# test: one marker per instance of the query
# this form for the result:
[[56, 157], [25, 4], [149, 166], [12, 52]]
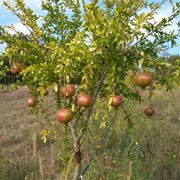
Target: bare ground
[[17, 126]]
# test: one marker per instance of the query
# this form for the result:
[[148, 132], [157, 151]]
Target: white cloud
[[18, 27], [165, 12], [34, 4]]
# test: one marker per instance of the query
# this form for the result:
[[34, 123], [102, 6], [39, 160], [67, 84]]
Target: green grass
[[150, 150]]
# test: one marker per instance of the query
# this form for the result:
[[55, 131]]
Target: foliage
[[82, 44], [97, 45]]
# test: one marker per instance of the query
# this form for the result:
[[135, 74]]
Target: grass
[[17, 126], [148, 151]]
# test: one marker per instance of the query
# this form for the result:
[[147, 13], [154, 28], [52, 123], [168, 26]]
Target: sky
[[7, 18]]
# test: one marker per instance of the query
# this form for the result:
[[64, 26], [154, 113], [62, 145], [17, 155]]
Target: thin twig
[[144, 20], [23, 22]]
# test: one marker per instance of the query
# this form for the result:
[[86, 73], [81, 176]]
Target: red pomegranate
[[64, 115], [16, 68], [117, 101]]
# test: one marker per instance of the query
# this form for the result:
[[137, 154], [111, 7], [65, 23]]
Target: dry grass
[[17, 126], [24, 156]]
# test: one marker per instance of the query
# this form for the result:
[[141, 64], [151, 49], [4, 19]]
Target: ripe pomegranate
[[16, 68], [143, 79], [31, 102], [68, 90], [64, 115], [117, 101], [149, 111], [84, 100]]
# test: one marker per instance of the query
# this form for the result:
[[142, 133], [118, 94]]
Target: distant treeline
[[5, 76], [8, 79]]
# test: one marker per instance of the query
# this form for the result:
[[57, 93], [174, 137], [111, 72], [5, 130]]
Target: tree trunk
[[77, 158], [77, 172]]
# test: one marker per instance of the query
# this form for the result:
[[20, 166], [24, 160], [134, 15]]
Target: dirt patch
[[17, 94]]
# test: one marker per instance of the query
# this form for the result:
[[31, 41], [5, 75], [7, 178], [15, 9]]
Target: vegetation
[[89, 59], [148, 151]]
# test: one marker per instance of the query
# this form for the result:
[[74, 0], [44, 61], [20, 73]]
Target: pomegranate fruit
[[84, 100], [68, 90], [149, 111], [143, 79], [117, 101], [31, 102], [64, 115], [16, 68]]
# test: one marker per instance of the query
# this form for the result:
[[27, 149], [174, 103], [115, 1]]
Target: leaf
[[41, 90], [67, 79], [55, 87], [44, 139], [110, 100], [92, 49], [44, 134], [103, 125], [141, 61], [73, 107], [96, 116]]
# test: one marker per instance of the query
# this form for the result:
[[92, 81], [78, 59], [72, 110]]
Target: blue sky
[[7, 18]]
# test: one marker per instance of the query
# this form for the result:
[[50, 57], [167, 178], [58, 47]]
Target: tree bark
[[77, 151], [77, 159]]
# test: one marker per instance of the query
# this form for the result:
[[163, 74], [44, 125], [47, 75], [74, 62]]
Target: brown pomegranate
[[31, 102], [149, 111], [68, 90], [143, 79]]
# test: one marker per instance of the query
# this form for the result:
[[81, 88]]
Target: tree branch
[[103, 75], [156, 27], [23, 22]]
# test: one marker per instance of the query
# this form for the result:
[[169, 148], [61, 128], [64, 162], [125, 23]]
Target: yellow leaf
[[55, 134], [141, 61], [55, 87], [103, 125], [44, 140], [67, 78], [92, 49], [110, 100], [41, 90], [73, 108]]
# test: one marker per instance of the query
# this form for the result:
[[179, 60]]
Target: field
[[149, 150]]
